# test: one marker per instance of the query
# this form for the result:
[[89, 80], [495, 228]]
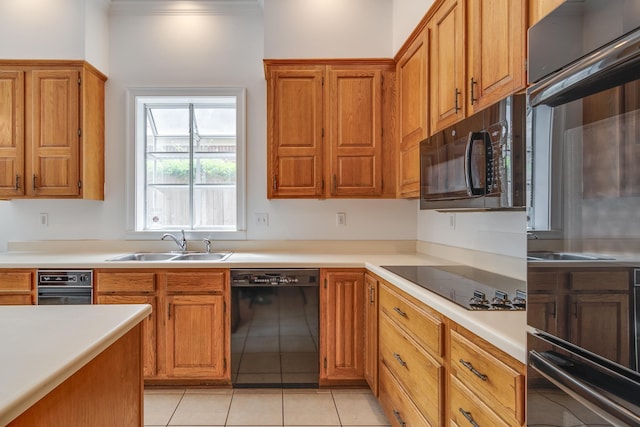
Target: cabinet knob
[[17, 182], [468, 416], [477, 373], [457, 104]]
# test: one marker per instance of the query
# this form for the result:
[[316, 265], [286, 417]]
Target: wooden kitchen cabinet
[[133, 287], [412, 73], [342, 329], [412, 353], [483, 377], [51, 130], [17, 286], [197, 329], [371, 332], [447, 86], [330, 128], [187, 336], [496, 51]]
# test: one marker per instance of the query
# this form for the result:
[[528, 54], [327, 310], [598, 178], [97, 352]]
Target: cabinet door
[[447, 61], [53, 133], [295, 116], [342, 325], [11, 133], [16, 287], [371, 333], [196, 336], [412, 75], [600, 323], [496, 60], [149, 327], [355, 132]]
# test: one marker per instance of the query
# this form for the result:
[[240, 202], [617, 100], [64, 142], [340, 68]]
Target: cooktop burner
[[472, 288]]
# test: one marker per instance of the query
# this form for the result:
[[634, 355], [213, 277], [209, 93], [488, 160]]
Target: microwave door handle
[[467, 165], [577, 389]]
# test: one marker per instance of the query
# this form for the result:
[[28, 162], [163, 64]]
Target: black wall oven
[[583, 185]]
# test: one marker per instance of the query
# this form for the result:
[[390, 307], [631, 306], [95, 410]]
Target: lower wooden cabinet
[[342, 326], [488, 375], [17, 287], [187, 336], [400, 409]]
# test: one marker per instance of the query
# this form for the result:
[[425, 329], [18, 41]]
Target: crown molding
[[194, 7]]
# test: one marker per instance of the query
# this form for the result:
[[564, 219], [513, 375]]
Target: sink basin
[[145, 256], [173, 256], [203, 256], [562, 256]]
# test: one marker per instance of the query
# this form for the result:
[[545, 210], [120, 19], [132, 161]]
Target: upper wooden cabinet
[[497, 51], [330, 128], [447, 50], [51, 130], [477, 56], [412, 74]]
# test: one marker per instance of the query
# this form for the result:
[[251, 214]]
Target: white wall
[[406, 16], [328, 29], [96, 34]]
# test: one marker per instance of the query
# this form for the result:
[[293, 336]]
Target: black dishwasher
[[274, 327]]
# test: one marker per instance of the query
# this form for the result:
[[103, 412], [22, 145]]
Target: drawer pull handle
[[468, 416], [399, 418], [399, 359], [400, 312], [470, 367]]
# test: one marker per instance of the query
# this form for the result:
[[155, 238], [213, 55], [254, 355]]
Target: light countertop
[[506, 330], [44, 345]]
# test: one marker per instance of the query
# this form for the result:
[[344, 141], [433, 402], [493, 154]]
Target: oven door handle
[[468, 164], [577, 389]]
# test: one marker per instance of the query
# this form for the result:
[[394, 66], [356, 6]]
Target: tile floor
[[262, 407]]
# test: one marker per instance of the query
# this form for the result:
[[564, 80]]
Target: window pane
[[170, 121], [215, 206], [215, 121], [168, 170], [168, 207]]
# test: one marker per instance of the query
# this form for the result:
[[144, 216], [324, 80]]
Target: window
[[188, 160]]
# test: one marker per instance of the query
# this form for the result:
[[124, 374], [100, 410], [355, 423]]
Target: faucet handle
[[207, 245]]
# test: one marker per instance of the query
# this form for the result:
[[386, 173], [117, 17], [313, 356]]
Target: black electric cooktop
[[472, 288]]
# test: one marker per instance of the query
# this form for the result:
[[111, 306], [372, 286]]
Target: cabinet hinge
[[224, 307], [325, 363], [382, 132], [325, 286], [80, 184], [322, 184], [322, 81], [79, 81], [323, 132], [224, 363], [79, 132]]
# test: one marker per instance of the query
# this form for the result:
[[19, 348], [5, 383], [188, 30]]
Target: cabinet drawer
[[196, 281], [425, 327], [416, 370], [398, 407], [16, 280], [619, 280], [498, 384], [465, 408], [125, 282]]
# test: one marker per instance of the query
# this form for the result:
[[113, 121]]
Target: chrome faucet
[[207, 245], [182, 244]]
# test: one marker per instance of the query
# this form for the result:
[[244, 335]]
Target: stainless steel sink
[[204, 256], [563, 256], [172, 256], [145, 256]]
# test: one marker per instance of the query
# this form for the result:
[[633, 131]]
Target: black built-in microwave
[[477, 163]]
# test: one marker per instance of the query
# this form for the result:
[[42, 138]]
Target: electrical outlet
[[341, 219], [262, 219], [44, 219]]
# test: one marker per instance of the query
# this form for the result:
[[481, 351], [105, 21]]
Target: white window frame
[[135, 149]]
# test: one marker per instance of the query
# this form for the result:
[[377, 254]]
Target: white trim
[[132, 115]]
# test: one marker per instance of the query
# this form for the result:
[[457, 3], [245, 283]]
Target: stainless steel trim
[[572, 78], [580, 390]]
